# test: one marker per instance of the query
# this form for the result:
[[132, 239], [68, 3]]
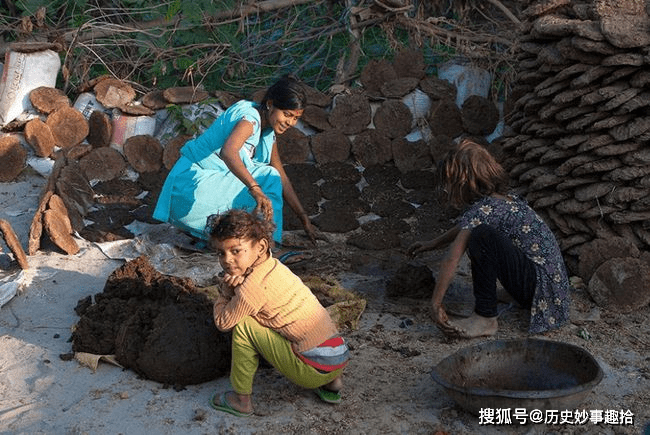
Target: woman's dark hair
[[240, 224], [286, 94], [468, 173]]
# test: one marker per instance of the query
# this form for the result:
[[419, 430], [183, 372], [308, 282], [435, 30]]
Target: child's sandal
[[328, 396]]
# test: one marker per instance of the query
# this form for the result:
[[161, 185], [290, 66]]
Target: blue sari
[[200, 183]]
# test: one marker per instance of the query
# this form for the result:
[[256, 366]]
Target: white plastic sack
[[22, 73], [10, 286], [126, 126], [86, 103], [418, 103], [201, 115], [468, 79]]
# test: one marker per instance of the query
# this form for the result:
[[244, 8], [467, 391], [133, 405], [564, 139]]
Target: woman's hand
[[309, 228], [264, 204]]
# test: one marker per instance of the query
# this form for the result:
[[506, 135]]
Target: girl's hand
[[442, 321], [233, 281], [264, 204], [439, 315], [419, 247]]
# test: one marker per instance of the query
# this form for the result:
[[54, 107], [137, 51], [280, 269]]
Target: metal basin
[[521, 373]]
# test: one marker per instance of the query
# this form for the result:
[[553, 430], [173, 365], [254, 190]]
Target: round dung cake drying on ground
[[333, 189], [155, 100], [438, 89], [78, 151], [103, 164], [112, 93], [172, 150], [375, 74], [226, 99], [316, 97], [185, 95], [330, 146], [341, 171], [316, 117], [409, 63], [381, 175], [399, 87], [376, 235], [351, 113], [39, 136], [46, 100], [445, 118], [10, 238], [100, 129], [56, 203], [409, 156], [372, 147], [439, 145], [144, 153], [57, 227], [13, 157], [135, 108], [68, 126], [336, 221], [480, 115], [393, 119], [293, 146], [303, 173]]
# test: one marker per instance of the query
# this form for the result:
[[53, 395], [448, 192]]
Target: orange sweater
[[278, 300]]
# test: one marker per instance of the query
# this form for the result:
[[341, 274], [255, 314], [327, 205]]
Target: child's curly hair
[[240, 224], [468, 173]]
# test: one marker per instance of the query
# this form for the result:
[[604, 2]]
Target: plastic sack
[[86, 103], [199, 115], [22, 73], [126, 126]]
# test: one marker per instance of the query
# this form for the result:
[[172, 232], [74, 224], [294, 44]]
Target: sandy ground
[[389, 388]]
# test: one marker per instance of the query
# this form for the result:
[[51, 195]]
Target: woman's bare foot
[[475, 326], [240, 402]]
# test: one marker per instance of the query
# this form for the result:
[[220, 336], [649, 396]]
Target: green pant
[[250, 339]]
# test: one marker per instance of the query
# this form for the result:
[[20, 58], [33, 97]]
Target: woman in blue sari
[[236, 164]]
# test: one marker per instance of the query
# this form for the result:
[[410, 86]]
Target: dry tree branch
[[506, 11], [427, 27]]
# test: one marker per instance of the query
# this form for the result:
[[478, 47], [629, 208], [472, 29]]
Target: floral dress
[[514, 218]]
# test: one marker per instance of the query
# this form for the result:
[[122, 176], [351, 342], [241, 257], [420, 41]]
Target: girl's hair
[[468, 173], [240, 224], [286, 94]]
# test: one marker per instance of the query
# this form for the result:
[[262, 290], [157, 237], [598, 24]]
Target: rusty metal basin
[[520, 373]]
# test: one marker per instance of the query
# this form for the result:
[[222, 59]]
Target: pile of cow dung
[[157, 325], [581, 150]]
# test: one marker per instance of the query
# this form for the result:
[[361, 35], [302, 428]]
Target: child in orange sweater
[[271, 313]]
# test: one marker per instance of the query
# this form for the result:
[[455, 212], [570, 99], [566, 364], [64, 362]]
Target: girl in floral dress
[[505, 240]]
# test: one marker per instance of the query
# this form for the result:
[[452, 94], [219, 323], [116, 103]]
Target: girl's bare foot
[[475, 326]]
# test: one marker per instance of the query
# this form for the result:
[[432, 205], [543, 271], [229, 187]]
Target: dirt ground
[[388, 384]]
